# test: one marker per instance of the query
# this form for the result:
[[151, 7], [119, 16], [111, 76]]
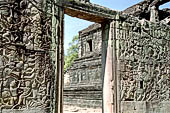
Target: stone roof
[[90, 28], [132, 9], [143, 9]]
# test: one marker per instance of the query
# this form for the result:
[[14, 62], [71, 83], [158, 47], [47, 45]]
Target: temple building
[[130, 74], [84, 79]]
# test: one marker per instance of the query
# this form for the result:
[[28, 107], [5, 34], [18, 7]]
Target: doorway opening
[[82, 77]]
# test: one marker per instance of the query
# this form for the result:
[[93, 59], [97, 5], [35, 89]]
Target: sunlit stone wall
[[26, 68], [143, 51]]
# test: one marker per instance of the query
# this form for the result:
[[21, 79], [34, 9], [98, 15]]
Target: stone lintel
[[88, 11]]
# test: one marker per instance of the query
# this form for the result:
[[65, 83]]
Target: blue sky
[[73, 25]]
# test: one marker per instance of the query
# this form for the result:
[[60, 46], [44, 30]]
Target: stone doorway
[[93, 13], [33, 61], [83, 79], [135, 55]]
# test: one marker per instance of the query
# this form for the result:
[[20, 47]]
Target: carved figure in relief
[[124, 90], [33, 99], [14, 92], [27, 40], [41, 95], [26, 93], [5, 99], [130, 92], [12, 55], [34, 90], [29, 71]]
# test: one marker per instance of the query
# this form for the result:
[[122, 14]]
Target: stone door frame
[[75, 9]]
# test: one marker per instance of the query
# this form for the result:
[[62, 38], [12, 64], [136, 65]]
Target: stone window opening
[[90, 45]]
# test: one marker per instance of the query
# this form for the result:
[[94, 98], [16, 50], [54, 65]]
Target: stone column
[[107, 60], [57, 54], [110, 67]]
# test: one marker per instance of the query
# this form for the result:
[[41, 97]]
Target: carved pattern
[[26, 68], [144, 60]]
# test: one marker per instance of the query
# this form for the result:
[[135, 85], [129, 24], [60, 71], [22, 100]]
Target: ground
[[72, 109]]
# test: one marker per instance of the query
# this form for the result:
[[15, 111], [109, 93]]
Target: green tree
[[72, 53]]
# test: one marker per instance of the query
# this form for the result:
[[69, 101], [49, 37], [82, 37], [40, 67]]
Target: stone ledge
[[81, 87], [83, 103]]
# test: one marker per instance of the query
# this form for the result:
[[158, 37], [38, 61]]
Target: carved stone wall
[[31, 58], [27, 71], [143, 50], [84, 80], [144, 56]]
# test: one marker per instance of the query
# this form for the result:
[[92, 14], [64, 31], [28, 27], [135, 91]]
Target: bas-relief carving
[[25, 63], [145, 61]]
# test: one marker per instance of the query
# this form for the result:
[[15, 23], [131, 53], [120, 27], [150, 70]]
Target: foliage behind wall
[[72, 53]]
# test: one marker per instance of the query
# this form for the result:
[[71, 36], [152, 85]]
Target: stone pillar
[[107, 86], [111, 77], [107, 73], [58, 53]]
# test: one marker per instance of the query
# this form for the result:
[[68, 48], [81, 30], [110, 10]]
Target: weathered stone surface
[[142, 53], [136, 64], [145, 107], [27, 69], [144, 58]]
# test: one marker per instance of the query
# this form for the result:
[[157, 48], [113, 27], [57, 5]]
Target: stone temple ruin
[[84, 86], [85, 71], [135, 56]]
